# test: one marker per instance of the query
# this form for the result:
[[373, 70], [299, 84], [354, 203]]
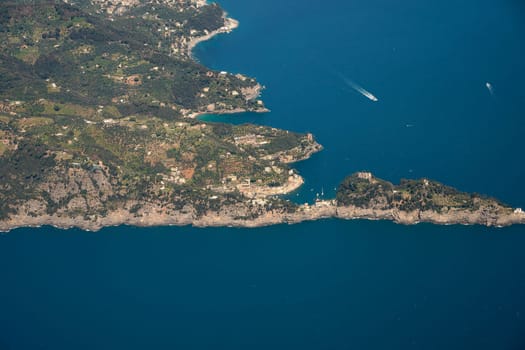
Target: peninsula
[[98, 127]]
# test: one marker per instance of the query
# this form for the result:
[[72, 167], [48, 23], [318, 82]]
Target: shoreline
[[248, 213], [153, 215], [198, 115], [229, 25]]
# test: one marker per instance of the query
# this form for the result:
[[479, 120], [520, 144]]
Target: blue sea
[[328, 284]]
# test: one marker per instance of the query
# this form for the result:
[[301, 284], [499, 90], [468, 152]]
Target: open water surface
[[329, 284]]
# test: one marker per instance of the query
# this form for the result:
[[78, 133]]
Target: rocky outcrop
[[453, 217], [244, 215]]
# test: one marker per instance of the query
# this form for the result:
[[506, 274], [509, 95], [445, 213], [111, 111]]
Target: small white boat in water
[[490, 88]]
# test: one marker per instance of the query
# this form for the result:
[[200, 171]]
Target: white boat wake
[[360, 89]]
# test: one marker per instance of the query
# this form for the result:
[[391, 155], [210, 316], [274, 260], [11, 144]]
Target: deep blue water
[[329, 284]]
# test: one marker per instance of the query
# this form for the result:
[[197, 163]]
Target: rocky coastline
[[90, 196], [155, 214]]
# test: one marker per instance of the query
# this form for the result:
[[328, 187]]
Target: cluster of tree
[[207, 18], [409, 195], [52, 34], [283, 142], [187, 83], [360, 192], [21, 171], [5, 18]]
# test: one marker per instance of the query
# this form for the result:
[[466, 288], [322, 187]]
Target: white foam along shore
[[229, 25]]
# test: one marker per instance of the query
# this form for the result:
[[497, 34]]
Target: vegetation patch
[[365, 191]]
